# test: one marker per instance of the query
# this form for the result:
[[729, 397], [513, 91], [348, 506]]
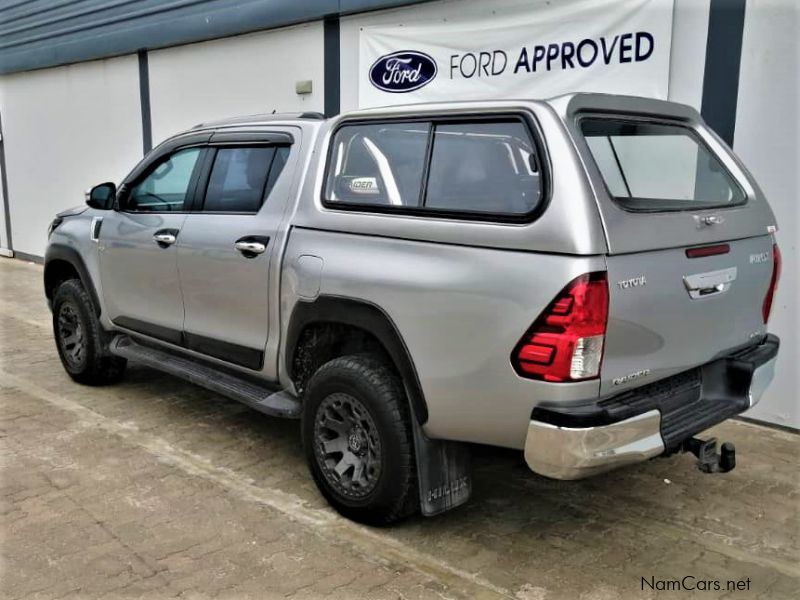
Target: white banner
[[538, 50]]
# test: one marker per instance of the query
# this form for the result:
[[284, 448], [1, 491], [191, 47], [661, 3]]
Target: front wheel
[[358, 440], [80, 339]]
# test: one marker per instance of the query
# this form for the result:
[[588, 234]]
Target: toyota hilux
[[586, 279]]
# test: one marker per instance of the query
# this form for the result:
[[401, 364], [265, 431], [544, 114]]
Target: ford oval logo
[[403, 71]]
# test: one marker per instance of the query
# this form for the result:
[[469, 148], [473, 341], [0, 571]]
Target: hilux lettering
[[448, 489], [631, 376]]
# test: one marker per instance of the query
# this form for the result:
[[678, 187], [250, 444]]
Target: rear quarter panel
[[460, 311], [461, 293]]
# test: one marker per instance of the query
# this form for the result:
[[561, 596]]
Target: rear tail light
[[566, 342], [773, 283]]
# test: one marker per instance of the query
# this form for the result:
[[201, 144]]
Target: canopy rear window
[[654, 167]]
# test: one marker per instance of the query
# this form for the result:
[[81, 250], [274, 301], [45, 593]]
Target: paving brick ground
[[154, 488]]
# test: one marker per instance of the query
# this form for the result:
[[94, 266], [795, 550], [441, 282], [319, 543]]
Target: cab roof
[[260, 119]]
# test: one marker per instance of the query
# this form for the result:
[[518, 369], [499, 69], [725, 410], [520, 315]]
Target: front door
[[227, 245], [137, 243]]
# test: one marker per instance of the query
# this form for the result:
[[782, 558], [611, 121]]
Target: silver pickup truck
[[587, 279]]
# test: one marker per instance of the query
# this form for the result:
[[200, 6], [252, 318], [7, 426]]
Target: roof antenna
[[274, 110]]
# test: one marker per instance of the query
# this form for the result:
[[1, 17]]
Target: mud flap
[[443, 471]]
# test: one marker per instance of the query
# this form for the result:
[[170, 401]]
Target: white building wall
[[66, 129], [687, 63], [247, 74], [767, 138]]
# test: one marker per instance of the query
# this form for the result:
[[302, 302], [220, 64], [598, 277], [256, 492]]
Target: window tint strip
[[266, 187], [619, 166], [200, 182], [426, 166]]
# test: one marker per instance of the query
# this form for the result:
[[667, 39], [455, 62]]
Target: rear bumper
[[573, 442]]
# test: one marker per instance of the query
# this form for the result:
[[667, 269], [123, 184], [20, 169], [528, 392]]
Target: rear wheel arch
[[340, 326]]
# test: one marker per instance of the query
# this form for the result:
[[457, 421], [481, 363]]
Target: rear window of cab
[[465, 168], [656, 167]]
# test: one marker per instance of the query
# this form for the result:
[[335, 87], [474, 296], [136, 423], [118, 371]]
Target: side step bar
[[269, 401]]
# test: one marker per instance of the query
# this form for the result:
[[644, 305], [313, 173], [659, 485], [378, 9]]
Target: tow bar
[[708, 461]]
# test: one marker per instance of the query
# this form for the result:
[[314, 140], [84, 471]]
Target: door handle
[[708, 284], [252, 245], [713, 220], [708, 220], [165, 237]]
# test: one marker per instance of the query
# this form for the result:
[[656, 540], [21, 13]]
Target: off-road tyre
[[364, 386], [81, 342]]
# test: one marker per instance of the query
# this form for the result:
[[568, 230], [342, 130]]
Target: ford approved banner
[[536, 50]]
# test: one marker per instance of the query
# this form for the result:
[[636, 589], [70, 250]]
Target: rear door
[[690, 246], [228, 242]]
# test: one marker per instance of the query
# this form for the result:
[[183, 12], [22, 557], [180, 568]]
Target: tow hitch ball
[[708, 461]]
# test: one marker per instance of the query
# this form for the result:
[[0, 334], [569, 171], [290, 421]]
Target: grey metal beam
[[723, 58]]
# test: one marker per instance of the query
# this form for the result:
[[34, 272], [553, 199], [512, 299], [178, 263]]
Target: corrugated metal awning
[[35, 34]]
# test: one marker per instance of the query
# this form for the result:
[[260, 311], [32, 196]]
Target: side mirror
[[102, 196]]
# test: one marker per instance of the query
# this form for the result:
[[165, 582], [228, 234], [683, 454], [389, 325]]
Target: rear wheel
[[80, 339], [358, 440]]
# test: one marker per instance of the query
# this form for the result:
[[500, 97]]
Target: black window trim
[[499, 115], [239, 141], [205, 141], [656, 120]]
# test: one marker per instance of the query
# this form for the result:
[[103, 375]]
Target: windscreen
[[657, 166]]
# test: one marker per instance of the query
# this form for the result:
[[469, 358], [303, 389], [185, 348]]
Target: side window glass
[[241, 178], [165, 188], [486, 167], [378, 164], [281, 156], [483, 167]]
